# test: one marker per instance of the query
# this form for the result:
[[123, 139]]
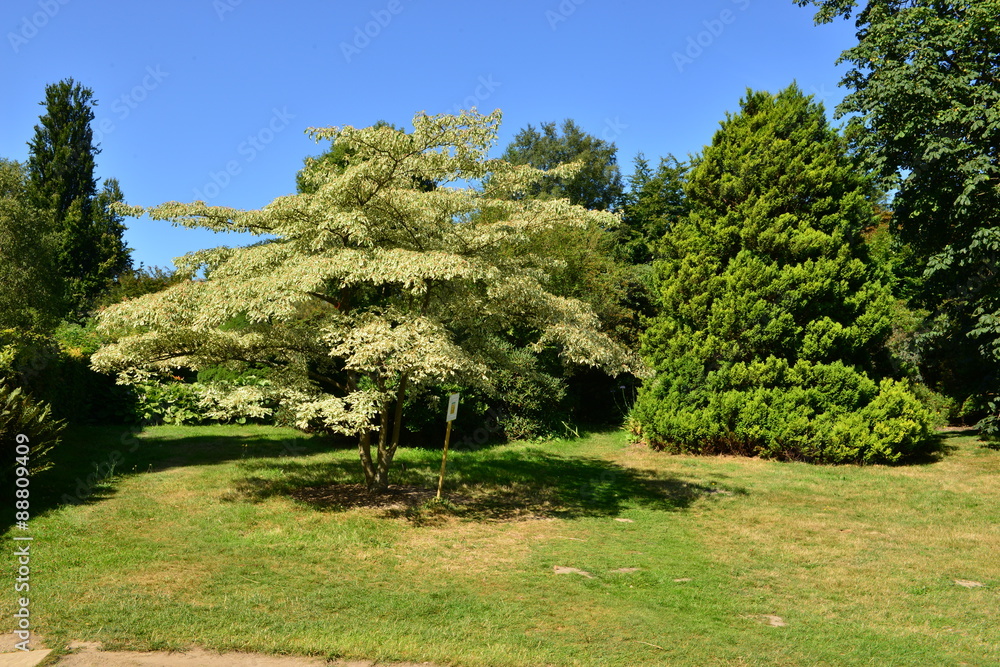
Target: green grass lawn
[[237, 538]]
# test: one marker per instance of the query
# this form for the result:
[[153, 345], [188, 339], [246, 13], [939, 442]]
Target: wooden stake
[[444, 459]]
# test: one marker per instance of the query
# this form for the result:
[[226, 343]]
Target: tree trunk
[[382, 466], [365, 451], [377, 473], [364, 442], [397, 425]]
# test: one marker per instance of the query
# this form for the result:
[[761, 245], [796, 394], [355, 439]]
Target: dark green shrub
[[816, 413], [241, 377], [989, 426], [56, 370]]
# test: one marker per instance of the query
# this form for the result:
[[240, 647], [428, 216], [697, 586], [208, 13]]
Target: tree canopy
[[596, 185], [29, 299], [655, 201], [370, 287]]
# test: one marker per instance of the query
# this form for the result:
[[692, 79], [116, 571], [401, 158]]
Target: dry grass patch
[[470, 550], [179, 579]]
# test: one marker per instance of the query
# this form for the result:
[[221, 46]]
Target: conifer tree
[[654, 202], [772, 332], [90, 250], [596, 185]]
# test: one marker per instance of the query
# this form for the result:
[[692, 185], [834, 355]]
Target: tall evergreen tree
[[90, 249], [772, 332], [109, 229], [62, 152]]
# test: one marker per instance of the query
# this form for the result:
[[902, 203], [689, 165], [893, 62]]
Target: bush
[[819, 413], [989, 426], [168, 403], [199, 403], [22, 415], [773, 336]]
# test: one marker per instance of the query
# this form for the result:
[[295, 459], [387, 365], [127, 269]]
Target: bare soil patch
[[501, 504], [560, 569]]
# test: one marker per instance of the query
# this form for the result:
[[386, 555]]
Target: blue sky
[[210, 99]]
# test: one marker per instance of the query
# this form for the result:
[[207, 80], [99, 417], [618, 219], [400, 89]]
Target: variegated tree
[[404, 270]]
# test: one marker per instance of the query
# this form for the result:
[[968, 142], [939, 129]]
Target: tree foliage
[[371, 287], [772, 332], [90, 250], [924, 107], [336, 158], [595, 262], [29, 299], [137, 282], [596, 185], [654, 202]]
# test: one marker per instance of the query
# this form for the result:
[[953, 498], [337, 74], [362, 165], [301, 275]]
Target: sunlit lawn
[[232, 538]]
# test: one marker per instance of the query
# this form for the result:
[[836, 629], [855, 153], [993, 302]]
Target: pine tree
[[654, 202], [772, 332]]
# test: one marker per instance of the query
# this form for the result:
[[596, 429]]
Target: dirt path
[[90, 655], [199, 658]]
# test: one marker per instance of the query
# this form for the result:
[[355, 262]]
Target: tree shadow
[[938, 449], [481, 486], [89, 459]]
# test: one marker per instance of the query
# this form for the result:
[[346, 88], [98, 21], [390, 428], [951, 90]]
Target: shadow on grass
[[939, 448], [89, 459], [985, 441], [488, 484], [480, 486]]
